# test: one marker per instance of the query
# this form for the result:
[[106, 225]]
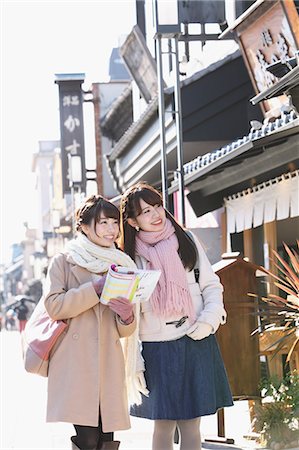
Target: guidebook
[[135, 284]]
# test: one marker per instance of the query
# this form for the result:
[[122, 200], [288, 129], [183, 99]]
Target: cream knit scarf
[[94, 258], [98, 259]]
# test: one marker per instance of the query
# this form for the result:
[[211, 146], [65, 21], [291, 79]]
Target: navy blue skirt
[[186, 379]]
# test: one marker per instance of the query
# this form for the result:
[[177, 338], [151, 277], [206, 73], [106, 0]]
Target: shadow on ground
[[220, 445]]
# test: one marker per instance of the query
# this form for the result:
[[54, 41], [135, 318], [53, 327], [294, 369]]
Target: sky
[[39, 39]]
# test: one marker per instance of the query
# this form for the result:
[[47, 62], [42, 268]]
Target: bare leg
[[190, 434], [163, 434]]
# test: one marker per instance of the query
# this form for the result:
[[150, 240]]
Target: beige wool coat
[[86, 368]]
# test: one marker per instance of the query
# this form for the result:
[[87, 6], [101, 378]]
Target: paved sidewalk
[[23, 406]]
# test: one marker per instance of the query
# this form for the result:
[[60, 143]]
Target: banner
[[71, 131], [276, 199]]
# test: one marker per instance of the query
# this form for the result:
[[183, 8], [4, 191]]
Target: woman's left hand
[[123, 308], [200, 330]]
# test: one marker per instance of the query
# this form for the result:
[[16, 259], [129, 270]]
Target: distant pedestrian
[[183, 368], [10, 319], [22, 312]]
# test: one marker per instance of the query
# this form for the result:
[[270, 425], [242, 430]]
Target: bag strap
[[196, 267]]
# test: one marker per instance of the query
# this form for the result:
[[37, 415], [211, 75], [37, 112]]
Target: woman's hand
[[123, 308], [99, 284], [141, 383], [200, 330]]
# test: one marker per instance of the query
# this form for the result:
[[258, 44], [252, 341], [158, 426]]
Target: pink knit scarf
[[160, 249]]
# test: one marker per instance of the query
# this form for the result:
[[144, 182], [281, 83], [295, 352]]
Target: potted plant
[[277, 416]]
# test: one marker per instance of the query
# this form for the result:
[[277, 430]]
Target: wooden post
[[220, 422], [221, 430], [270, 243], [223, 232], [247, 242]]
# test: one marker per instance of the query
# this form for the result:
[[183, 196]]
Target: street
[[23, 405]]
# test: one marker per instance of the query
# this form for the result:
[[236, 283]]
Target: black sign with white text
[[71, 131]]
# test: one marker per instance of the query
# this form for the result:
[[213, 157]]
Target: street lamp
[[167, 26]]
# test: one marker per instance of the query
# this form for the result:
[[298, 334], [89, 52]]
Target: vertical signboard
[[71, 131]]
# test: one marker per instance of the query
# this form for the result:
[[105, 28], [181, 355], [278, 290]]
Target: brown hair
[[130, 209], [92, 208]]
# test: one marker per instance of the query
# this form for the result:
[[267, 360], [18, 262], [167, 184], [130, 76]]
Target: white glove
[[200, 330], [141, 383]]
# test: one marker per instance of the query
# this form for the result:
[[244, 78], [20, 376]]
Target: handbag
[[38, 339]]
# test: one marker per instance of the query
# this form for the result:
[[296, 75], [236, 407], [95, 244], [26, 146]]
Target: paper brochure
[[134, 284]]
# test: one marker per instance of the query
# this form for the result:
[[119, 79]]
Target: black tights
[[91, 437]]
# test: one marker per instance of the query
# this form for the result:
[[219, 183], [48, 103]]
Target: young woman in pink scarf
[[182, 376]]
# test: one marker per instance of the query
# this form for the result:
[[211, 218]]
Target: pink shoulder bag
[[38, 339]]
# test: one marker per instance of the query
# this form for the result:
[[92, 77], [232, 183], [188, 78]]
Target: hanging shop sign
[[268, 32], [140, 63], [71, 131]]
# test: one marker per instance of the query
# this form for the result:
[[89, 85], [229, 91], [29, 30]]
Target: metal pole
[[71, 184], [179, 131], [162, 121]]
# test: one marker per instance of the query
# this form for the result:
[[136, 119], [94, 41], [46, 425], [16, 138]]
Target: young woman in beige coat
[[86, 379]]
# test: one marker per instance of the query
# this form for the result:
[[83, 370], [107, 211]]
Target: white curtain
[[276, 199]]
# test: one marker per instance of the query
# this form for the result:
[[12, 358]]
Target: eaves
[[114, 108], [152, 108], [204, 165], [207, 70], [133, 131]]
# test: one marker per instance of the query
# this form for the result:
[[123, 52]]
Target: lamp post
[[168, 26], [161, 105], [179, 134]]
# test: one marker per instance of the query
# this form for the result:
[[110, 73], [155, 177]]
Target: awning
[[209, 120], [276, 199], [261, 155]]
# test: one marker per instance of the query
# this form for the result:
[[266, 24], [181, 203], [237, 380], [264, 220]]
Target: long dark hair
[[92, 208], [130, 209]]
